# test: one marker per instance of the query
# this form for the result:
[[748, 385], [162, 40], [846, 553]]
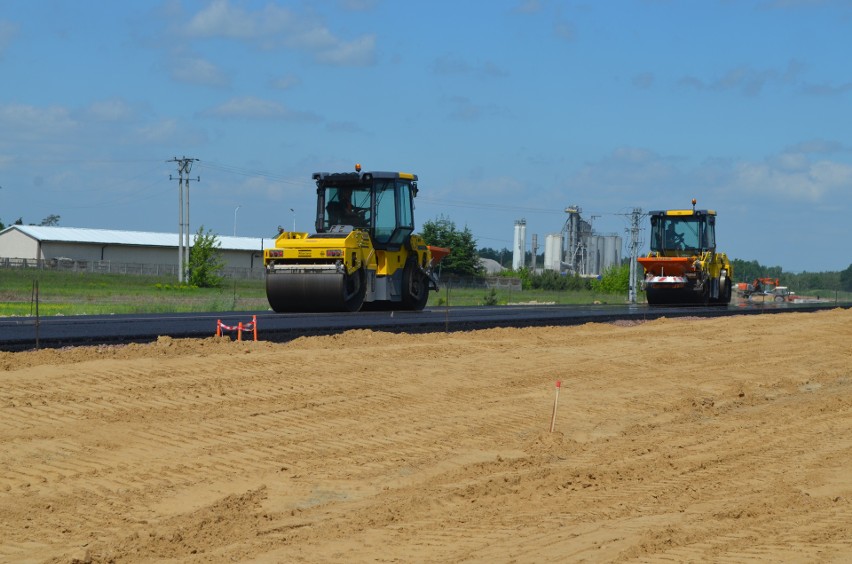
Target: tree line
[[464, 261], [50, 221]]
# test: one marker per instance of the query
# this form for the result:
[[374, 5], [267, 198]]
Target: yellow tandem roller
[[363, 254]]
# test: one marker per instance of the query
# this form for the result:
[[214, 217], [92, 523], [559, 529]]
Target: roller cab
[[683, 266], [364, 252]]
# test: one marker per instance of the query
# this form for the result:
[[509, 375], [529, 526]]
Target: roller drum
[[314, 292], [676, 296]]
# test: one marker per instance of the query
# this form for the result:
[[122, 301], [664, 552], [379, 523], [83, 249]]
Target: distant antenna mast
[[534, 247], [634, 252], [184, 165]]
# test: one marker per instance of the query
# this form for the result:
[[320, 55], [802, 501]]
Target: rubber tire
[[354, 290], [703, 297], [415, 287], [724, 295]]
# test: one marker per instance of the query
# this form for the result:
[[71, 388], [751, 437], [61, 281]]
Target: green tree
[[463, 260], [503, 256], [205, 260], [50, 221], [746, 271], [614, 280], [551, 280], [846, 279]]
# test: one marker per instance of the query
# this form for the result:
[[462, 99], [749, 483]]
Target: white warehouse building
[[104, 247]]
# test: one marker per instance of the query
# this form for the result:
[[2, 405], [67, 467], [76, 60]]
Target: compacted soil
[[723, 440]]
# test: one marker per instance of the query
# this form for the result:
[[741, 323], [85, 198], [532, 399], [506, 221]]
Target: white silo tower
[[553, 252], [611, 252], [520, 246]]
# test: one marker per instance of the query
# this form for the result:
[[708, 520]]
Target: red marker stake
[[555, 402]]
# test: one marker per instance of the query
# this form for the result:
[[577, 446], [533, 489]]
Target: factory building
[[577, 249], [102, 248]]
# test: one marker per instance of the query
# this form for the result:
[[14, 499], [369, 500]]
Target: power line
[[184, 165], [231, 169]]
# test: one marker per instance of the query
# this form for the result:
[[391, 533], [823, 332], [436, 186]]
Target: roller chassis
[[685, 271], [363, 253], [309, 276], [704, 281]]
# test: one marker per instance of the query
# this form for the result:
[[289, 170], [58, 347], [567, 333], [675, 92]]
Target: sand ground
[[722, 440]]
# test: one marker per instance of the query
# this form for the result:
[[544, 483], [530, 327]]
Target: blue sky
[[506, 109]]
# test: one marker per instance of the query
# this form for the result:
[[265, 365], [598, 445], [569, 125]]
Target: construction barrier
[[240, 327]]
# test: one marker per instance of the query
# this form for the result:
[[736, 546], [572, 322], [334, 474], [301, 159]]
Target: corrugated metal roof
[[136, 238]]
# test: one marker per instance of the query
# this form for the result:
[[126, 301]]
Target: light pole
[[294, 219], [236, 209]]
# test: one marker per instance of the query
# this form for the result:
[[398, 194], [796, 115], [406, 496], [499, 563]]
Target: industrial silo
[[519, 248], [611, 251], [553, 252], [594, 250]]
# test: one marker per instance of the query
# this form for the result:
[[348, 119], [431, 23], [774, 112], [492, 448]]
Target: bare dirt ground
[[723, 440]]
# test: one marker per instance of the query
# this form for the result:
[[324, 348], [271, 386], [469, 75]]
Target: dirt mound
[[675, 439]]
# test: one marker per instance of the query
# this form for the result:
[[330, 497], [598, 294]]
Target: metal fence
[[230, 272], [113, 267], [486, 283]]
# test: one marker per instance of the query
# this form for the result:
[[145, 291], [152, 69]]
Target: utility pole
[[634, 252], [184, 165], [534, 247]]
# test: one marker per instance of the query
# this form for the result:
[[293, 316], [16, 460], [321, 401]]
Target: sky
[[505, 109]]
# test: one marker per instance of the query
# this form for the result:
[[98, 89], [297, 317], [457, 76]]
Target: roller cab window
[[394, 213], [683, 233], [346, 205]]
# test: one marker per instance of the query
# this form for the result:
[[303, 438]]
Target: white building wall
[[17, 245]]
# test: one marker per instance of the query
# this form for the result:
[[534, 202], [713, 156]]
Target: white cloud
[[792, 178], [284, 82], [747, 80], [8, 31], [828, 89], [111, 110], [171, 132], [344, 127], [219, 19], [28, 123], [627, 169], [643, 80], [463, 108], [251, 107], [273, 27], [195, 70], [455, 65], [820, 146], [360, 52], [564, 30], [528, 6]]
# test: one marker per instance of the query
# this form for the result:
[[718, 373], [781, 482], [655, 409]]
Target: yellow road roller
[[364, 253], [683, 266]]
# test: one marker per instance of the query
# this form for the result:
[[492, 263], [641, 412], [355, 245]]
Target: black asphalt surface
[[25, 333]]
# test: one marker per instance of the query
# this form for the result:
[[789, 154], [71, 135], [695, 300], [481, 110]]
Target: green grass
[[69, 293], [471, 297], [61, 293], [64, 293]]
